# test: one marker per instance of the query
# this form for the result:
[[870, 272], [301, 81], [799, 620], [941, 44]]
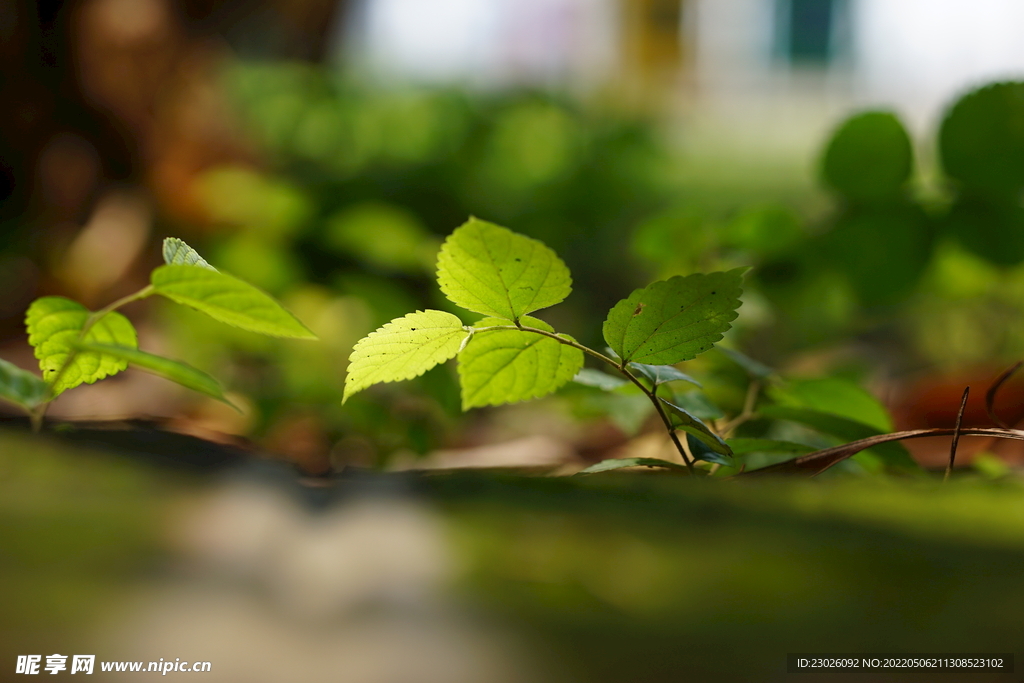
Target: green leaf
[[893, 453], [506, 366], [229, 300], [20, 386], [870, 158], [176, 371], [701, 451], [404, 348], [697, 403], [620, 463], [660, 374], [690, 423], [981, 141], [54, 325], [177, 253], [596, 378], [673, 320], [836, 396], [742, 446], [491, 270], [755, 369]]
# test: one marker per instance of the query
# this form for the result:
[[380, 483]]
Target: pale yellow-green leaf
[[404, 348], [510, 365], [489, 269]]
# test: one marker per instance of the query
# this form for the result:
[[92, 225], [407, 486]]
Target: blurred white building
[[773, 75]]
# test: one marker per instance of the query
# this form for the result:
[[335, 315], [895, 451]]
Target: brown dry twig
[[990, 395]]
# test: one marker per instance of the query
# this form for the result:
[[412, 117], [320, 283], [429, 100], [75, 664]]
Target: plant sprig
[[510, 356], [76, 346]]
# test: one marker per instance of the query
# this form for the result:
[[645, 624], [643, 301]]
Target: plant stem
[[35, 417], [622, 368]]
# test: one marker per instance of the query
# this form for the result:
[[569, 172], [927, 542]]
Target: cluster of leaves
[[510, 356], [77, 346]]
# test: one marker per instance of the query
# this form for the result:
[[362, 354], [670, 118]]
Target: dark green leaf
[[697, 403], [674, 320], [690, 423], [701, 451], [869, 159]]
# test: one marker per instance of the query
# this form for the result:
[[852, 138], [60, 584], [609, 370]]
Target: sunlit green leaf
[[491, 270], [621, 463], [404, 348], [54, 326], [690, 423], [20, 386], [177, 253], [596, 378], [176, 371], [506, 366], [674, 320], [229, 300], [660, 374]]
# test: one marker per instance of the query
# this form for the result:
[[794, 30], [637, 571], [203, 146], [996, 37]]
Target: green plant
[[77, 346], [509, 356]]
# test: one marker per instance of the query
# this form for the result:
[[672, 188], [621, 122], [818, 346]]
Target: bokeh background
[[322, 149]]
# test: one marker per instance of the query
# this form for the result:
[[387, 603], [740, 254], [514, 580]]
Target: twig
[[753, 389], [956, 434], [819, 461], [990, 395]]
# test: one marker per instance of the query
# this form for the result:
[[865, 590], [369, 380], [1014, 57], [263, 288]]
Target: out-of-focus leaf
[[621, 463], [894, 454], [54, 326], [742, 446], [383, 235], [595, 378], [697, 403], [674, 320], [660, 374], [755, 369], [993, 230], [836, 396], [229, 300], [870, 158], [20, 386], [489, 269], [507, 366], [404, 348], [982, 140]]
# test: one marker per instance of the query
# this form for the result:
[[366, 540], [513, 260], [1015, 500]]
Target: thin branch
[[990, 395], [753, 390], [956, 434], [819, 461]]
